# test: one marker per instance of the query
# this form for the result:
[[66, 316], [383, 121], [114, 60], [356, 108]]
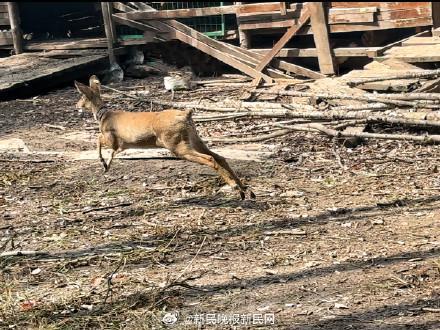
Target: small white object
[[36, 271]]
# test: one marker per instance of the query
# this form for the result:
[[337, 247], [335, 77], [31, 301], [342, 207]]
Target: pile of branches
[[324, 113]]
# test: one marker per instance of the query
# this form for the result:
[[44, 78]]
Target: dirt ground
[[322, 247]]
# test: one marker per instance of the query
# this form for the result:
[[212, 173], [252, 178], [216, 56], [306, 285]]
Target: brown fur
[[170, 129]]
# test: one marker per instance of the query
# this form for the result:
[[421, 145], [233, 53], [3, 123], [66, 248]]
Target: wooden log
[[321, 37], [109, 31], [305, 16], [17, 35]]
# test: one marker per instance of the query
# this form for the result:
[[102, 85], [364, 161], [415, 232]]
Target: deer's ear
[[95, 84], [84, 90]]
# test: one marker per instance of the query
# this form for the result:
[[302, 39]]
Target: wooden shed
[[262, 39]]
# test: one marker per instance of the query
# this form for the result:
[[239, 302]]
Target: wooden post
[[321, 37], [243, 35], [14, 19], [435, 6], [110, 31], [303, 19], [283, 9]]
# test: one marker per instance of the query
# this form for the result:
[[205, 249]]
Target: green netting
[[212, 26]]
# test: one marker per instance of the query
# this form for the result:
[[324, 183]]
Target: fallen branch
[[28, 160], [365, 97], [423, 74], [106, 207], [338, 134], [21, 253]]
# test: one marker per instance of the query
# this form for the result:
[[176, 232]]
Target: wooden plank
[[6, 41], [257, 7], [240, 54], [381, 5], [30, 72], [4, 15], [415, 54], [345, 11], [118, 18], [351, 18], [283, 9], [67, 44], [122, 7], [3, 8], [218, 54], [421, 41], [335, 16], [393, 15], [305, 16], [179, 13], [399, 42], [321, 37], [381, 25], [4, 21], [312, 52]]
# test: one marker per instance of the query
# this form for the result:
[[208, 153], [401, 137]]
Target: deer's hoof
[[252, 195], [242, 195]]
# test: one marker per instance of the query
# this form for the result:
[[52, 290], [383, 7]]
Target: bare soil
[[322, 247]]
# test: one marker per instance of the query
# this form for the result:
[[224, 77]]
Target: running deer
[[171, 129]]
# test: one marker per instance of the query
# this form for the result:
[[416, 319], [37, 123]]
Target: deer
[[171, 129]]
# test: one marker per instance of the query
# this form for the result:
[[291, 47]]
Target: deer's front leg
[[99, 146]]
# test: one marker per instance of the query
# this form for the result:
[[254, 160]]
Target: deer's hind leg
[[224, 166], [199, 153]]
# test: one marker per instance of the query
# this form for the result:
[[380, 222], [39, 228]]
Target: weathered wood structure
[[239, 41], [323, 20], [5, 25]]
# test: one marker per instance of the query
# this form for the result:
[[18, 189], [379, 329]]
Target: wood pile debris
[[341, 108]]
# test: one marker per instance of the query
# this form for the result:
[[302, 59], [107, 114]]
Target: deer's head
[[90, 95]]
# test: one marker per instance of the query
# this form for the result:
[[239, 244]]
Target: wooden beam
[[399, 42], [283, 9], [179, 13], [134, 24], [109, 31], [283, 41], [122, 7], [243, 36], [222, 56], [17, 35], [435, 8], [312, 52], [321, 37]]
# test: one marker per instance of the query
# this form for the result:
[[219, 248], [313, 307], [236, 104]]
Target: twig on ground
[[110, 277]]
